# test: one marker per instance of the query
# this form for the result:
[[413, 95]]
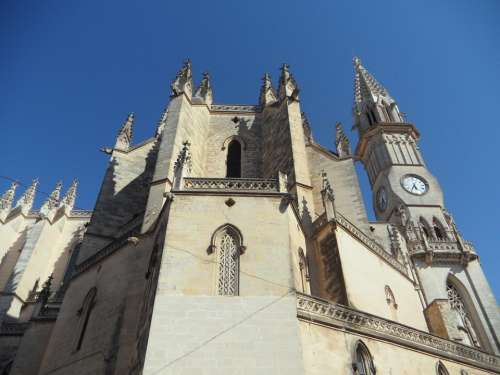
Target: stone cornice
[[322, 312]]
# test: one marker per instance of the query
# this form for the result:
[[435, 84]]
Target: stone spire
[[342, 142], [204, 91], [366, 87], [6, 201], [267, 94], [52, 201], [28, 198], [124, 138], [68, 201], [372, 102], [288, 87], [183, 82]]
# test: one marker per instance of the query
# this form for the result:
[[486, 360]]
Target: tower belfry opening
[[233, 161]]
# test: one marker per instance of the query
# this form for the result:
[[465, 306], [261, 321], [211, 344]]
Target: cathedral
[[231, 242]]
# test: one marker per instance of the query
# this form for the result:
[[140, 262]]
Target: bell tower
[[408, 197], [389, 152]]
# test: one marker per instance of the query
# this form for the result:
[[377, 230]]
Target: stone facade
[[231, 242]]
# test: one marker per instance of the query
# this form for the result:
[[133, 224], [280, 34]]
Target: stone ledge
[[319, 311]]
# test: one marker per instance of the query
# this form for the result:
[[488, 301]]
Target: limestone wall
[[366, 276], [109, 343], [330, 351], [222, 129], [192, 328]]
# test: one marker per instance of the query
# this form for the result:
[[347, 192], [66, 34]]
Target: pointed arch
[[466, 318], [227, 244], [391, 302], [233, 159], [441, 369], [363, 360], [304, 269], [426, 228], [439, 230], [84, 315]]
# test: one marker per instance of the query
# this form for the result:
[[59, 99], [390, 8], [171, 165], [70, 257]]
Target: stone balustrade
[[314, 309], [231, 184]]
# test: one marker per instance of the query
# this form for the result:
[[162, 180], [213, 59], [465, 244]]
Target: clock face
[[382, 199], [414, 184]]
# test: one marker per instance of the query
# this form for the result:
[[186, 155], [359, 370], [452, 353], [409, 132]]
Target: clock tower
[[402, 185], [408, 200]]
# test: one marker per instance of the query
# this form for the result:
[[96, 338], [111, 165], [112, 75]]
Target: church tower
[[409, 197]]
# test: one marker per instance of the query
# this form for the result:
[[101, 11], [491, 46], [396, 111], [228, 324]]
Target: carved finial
[[162, 122], [288, 87], [28, 198], [182, 166], [267, 94], [356, 61], [325, 184], [342, 142], [46, 291], [124, 138], [307, 127], [328, 197], [183, 82], [8, 197], [68, 201], [52, 201], [204, 91]]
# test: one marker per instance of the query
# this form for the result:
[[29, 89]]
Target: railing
[[231, 184], [313, 309], [234, 108]]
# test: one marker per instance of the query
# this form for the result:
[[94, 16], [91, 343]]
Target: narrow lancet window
[[84, 316], [438, 229], [463, 318], [363, 364], [233, 161], [391, 302]]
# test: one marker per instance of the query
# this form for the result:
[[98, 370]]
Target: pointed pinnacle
[[8, 197], [69, 198], [26, 200]]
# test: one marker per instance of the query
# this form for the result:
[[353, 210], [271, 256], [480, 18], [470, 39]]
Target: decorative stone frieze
[[316, 310]]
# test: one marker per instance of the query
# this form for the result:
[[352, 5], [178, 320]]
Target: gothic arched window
[[391, 302], [84, 315], [304, 269], [233, 162], [227, 243], [425, 228], [441, 370], [463, 318], [363, 361], [438, 229]]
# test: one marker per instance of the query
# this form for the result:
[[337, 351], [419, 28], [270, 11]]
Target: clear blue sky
[[70, 71]]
